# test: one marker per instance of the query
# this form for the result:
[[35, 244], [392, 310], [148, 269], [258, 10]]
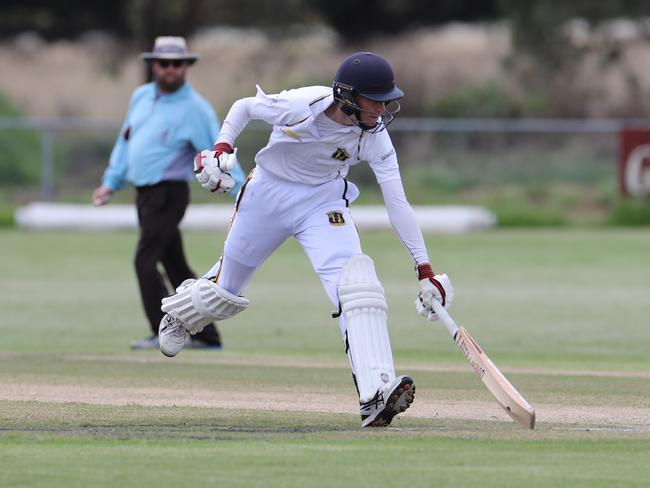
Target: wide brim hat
[[169, 47]]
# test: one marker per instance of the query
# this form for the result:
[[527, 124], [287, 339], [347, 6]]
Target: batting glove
[[211, 168], [432, 287]]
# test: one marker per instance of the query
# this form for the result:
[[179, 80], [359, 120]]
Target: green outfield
[[564, 313]]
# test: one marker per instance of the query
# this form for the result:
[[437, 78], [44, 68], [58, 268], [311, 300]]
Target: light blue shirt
[[160, 136]]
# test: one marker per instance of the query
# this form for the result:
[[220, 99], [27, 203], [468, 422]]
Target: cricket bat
[[501, 389]]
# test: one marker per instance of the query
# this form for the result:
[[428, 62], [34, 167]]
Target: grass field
[[563, 313]]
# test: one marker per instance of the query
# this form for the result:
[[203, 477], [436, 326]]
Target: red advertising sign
[[634, 161]]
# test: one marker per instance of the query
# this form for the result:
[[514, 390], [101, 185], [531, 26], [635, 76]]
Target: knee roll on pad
[[364, 307], [199, 302], [359, 287]]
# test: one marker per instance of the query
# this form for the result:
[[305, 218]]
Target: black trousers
[[160, 209]]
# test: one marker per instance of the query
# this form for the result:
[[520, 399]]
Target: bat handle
[[444, 316]]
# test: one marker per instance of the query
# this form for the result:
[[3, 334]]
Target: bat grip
[[444, 316]]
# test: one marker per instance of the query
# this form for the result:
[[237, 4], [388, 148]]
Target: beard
[[169, 84]]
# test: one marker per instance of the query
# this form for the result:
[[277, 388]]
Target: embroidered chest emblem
[[336, 218], [341, 154]]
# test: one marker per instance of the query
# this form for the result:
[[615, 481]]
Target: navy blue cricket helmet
[[370, 76]]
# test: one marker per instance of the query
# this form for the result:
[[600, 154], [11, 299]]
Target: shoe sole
[[167, 354], [398, 401]]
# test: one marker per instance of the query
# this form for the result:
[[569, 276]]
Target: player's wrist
[[425, 271], [223, 147]]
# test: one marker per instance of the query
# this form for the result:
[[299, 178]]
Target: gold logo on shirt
[[336, 218], [341, 154]]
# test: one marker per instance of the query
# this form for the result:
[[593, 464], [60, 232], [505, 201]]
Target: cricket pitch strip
[[427, 406]]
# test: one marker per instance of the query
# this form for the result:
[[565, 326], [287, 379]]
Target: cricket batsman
[[299, 188]]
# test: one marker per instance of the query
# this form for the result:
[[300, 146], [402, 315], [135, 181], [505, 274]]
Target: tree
[[356, 21], [55, 19], [547, 61]]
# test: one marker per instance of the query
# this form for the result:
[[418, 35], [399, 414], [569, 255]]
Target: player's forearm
[[235, 122], [402, 218], [408, 230]]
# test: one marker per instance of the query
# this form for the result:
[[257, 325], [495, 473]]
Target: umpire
[[166, 124]]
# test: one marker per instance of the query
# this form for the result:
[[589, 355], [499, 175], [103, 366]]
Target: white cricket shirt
[[308, 147], [305, 145]]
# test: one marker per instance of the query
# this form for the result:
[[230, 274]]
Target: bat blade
[[497, 384]]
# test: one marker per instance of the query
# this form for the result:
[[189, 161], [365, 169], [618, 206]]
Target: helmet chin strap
[[355, 114], [360, 124]]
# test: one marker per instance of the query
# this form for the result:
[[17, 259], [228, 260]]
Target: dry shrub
[[94, 78], [78, 79]]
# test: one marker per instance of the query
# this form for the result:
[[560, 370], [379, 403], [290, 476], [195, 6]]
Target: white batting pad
[[364, 307], [200, 302]]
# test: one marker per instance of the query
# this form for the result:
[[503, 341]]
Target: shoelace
[[179, 332], [374, 401]]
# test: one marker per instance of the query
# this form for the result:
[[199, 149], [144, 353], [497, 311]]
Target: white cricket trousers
[[270, 210]]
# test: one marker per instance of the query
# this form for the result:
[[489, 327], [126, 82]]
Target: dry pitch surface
[[567, 412]]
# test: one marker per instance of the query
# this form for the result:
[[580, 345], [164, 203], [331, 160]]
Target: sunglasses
[[165, 63]]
